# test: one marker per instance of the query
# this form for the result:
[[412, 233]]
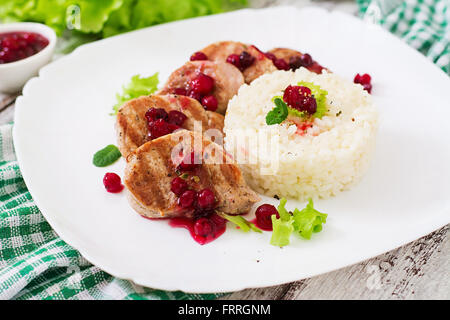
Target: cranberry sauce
[[203, 230], [15, 46], [161, 123], [295, 62], [196, 203]]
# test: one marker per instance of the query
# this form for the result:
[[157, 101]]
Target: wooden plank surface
[[419, 270]]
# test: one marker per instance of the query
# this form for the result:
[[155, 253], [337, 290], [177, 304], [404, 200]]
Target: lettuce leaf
[[302, 222], [109, 17], [321, 98], [282, 227], [136, 88], [282, 231], [308, 220]]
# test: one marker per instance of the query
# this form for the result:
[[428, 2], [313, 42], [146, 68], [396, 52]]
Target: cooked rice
[[328, 158]]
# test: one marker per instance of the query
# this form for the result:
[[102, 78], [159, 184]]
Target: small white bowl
[[14, 75]]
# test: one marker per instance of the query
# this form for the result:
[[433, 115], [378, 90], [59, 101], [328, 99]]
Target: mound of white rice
[[318, 162]]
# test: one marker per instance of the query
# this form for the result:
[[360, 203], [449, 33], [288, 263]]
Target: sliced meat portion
[[227, 80], [296, 59], [152, 167], [220, 51], [132, 126]]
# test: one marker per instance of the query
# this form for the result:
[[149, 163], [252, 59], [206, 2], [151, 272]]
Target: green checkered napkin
[[423, 24], [36, 264]]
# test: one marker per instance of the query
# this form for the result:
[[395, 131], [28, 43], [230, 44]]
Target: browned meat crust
[[150, 170], [131, 125], [219, 51], [227, 79]]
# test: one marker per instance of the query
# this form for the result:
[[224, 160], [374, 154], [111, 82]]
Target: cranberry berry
[[300, 98], [202, 84], [235, 60], [178, 186], [295, 62], [365, 81], [154, 114], [306, 60], [180, 91], [187, 199], [194, 95], [203, 227], [281, 64], [209, 103], [112, 183], [246, 60], [206, 199], [242, 61], [198, 56], [264, 216], [188, 163], [271, 56], [176, 117]]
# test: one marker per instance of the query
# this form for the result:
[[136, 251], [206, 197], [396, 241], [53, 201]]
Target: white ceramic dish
[[62, 120], [15, 74]]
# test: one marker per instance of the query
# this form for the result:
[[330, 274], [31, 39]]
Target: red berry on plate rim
[[112, 183], [364, 80]]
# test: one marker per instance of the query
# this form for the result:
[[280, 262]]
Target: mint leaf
[[106, 156], [243, 224], [278, 114]]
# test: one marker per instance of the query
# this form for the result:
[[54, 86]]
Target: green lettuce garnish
[[308, 220], [242, 223], [109, 17], [136, 88], [302, 222], [321, 98], [282, 227]]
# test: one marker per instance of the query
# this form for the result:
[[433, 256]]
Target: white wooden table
[[418, 270]]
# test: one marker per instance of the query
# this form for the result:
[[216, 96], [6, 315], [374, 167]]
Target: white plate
[[62, 120]]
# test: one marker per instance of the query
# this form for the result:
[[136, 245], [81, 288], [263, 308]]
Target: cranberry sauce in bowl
[[18, 45], [25, 48]]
